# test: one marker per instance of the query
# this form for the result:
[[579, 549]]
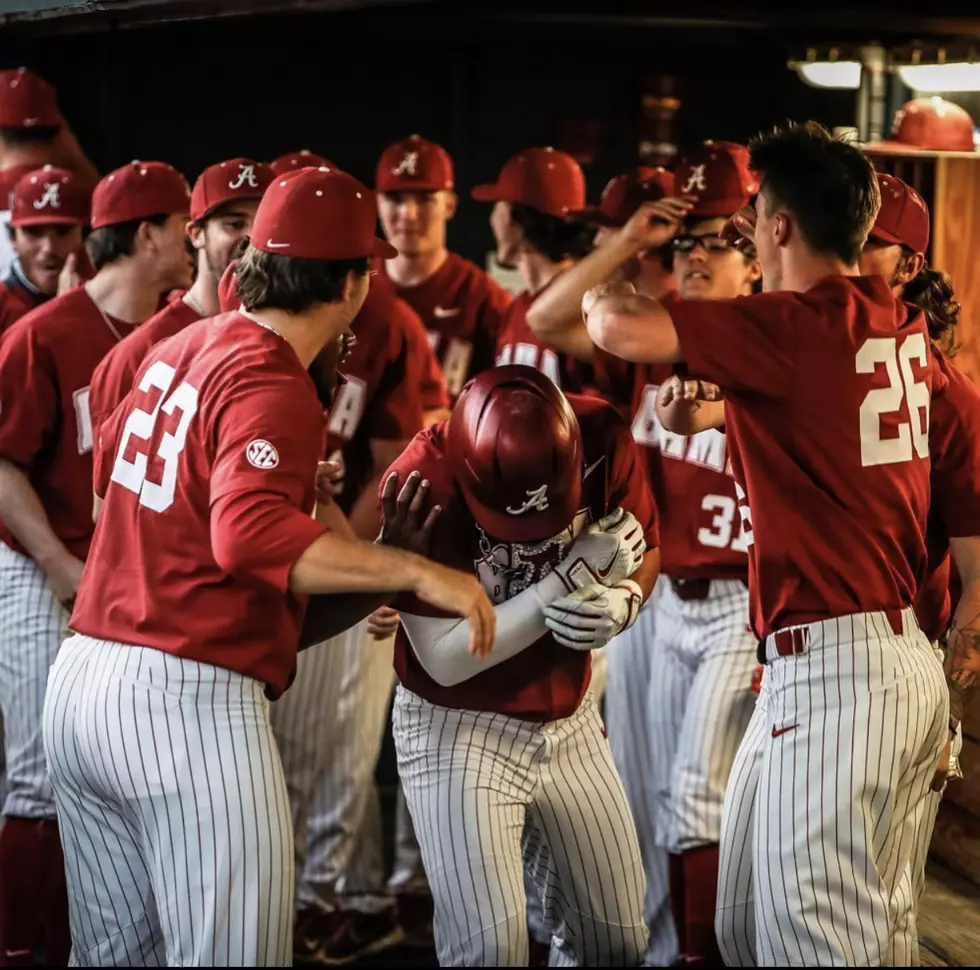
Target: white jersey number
[[83, 418], [746, 537], [882, 402], [158, 496], [456, 364], [720, 535]]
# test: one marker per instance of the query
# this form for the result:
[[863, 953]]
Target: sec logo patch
[[261, 454]]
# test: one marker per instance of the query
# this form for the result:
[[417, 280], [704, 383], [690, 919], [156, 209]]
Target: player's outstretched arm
[[629, 325], [556, 314], [963, 642], [686, 407]]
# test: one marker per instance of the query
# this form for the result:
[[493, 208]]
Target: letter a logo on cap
[[537, 498], [51, 197], [246, 176], [696, 179], [409, 165]]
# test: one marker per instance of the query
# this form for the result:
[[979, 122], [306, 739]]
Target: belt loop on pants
[[789, 643]]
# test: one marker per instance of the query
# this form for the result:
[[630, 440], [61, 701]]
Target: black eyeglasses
[[686, 243]]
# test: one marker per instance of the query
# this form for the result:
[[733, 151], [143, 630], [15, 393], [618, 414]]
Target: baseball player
[[32, 134], [534, 194], [294, 161], [506, 768], [703, 651], [223, 203], [331, 729], [460, 305], [46, 362], [895, 250], [49, 207], [168, 780], [556, 318], [816, 845]]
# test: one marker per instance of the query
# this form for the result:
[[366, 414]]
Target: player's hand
[[69, 277], [757, 675], [64, 576], [329, 481], [462, 595], [611, 288], [402, 524], [608, 552], [740, 229], [591, 616], [948, 768], [383, 622], [680, 389], [655, 223]]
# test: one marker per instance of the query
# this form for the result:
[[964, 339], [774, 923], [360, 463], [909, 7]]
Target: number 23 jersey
[[207, 470]]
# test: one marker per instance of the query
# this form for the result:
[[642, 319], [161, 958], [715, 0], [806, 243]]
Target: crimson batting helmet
[[515, 447]]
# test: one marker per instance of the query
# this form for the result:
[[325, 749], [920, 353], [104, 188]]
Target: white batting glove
[[608, 551], [590, 617]]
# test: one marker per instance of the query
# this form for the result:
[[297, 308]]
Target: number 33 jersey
[[827, 408], [207, 471]]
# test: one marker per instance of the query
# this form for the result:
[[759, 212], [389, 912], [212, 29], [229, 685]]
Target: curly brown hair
[[932, 292]]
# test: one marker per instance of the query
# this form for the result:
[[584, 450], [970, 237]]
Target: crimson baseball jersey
[[546, 681], [380, 398], [15, 301], [46, 362], [462, 308], [211, 465], [113, 378], [954, 446], [827, 407]]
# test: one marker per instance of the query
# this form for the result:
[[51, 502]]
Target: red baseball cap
[[27, 101], [49, 196], [903, 218], [717, 172], [9, 177], [542, 178], [137, 191], [624, 194], [319, 213], [929, 124], [237, 178], [293, 161], [414, 165]]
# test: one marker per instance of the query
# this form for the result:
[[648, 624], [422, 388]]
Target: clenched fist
[[608, 552]]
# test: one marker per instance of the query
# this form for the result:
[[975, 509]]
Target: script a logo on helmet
[[51, 197], [261, 454], [537, 498]]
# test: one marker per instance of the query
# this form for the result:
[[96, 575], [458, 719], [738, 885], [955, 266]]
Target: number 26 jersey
[[207, 471]]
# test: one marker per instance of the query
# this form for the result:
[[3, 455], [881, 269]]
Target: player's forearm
[[646, 576], [442, 645], [330, 614], [556, 314], [365, 515], [24, 515], [635, 328], [337, 564], [691, 417], [331, 516], [963, 652]]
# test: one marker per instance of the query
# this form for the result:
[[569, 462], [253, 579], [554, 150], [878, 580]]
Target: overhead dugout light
[[934, 78], [831, 71]]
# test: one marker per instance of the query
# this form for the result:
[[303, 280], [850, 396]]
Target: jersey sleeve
[[261, 478], [628, 486], [111, 382], [748, 344], [29, 405], [954, 447]]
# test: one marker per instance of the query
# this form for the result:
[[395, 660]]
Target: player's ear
[[914, 265], [782, 229], [452, 204], [754, 271], [195, 232]]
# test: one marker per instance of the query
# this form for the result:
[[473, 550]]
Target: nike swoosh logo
[[778, 731], [275, 245], [443, 312], [588, 471], [601, 572]]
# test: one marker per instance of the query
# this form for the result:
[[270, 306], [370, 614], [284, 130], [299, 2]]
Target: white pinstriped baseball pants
[[700, 704], [634, 663], [172, 809], [33, 625], [825, 805], [491, 795]]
